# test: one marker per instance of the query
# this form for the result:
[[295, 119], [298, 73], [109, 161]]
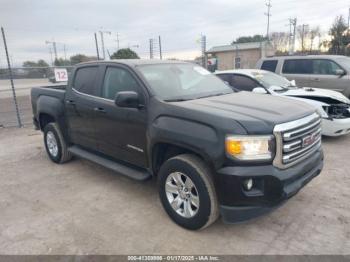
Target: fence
[[24, 78]]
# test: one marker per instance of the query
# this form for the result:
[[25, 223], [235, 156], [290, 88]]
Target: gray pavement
[[82, 208]]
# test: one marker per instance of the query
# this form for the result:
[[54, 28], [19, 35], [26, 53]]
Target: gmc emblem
[[309, 140]]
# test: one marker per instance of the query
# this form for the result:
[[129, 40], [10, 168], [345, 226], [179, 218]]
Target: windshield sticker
[[201, 70]]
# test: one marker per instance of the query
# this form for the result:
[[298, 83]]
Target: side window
[[269, 65], [225, 77], [297, 66], [117, 80], [243, 83], [324, 67], [84, 80]]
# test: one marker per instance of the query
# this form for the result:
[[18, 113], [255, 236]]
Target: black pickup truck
[[214, 151]]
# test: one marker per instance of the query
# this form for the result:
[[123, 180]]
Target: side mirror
[[340, 72], [259, 90], [128, 99], [293, 83]]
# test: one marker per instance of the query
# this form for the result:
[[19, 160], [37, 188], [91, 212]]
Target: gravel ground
[[82, 208]]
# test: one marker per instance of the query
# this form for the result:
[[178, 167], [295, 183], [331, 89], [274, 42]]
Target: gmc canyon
[[214, 151]]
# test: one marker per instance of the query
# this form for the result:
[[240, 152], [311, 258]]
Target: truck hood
[[317, 94], [257, 113]]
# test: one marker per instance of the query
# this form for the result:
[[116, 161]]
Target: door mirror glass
[[128, 99], [260, 90], [339, 72]]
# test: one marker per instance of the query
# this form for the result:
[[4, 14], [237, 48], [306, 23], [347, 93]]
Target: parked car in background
[[333, 107], [321, 71], [213, 151]]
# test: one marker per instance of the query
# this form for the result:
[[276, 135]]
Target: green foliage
[[79, 58], [125, 53], [249, 39], [340, 37], [61, 62], [39, 63]]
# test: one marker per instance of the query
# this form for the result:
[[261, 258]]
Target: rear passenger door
[[79, 105], [121, 132], [298, 70]]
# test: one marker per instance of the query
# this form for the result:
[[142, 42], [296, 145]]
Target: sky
[[180, 23]]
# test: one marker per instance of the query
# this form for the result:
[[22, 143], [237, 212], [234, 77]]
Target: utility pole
[[54, 47], [103, 42], [292, 23], [117, 41], [203, 47], [303, 36], [11, 79], [151, 46], [349, 19], [65, 53], [268, 14], [160, 48], [96, 44]]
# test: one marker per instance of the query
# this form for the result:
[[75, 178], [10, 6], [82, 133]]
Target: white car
[[333, 106]]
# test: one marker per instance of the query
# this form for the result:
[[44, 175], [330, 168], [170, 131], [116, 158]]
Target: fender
[[197, 137], [53, 107]]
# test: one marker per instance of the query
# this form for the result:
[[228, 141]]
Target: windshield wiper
[[176, 100], [218, 94]]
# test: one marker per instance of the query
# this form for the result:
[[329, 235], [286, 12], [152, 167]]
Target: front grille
[[297, 140]]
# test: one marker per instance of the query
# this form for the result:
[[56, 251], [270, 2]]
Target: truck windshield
[[177, 82]]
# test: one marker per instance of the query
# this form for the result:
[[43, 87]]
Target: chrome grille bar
[[296, 140]]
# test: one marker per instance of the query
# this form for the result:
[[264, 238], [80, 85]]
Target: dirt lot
[[81, 208]]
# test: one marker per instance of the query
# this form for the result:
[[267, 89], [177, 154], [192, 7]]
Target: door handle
[[70, 102], [99, 110], [316, 79]]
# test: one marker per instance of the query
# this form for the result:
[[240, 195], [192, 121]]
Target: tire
[[197, 209], [52, 136]]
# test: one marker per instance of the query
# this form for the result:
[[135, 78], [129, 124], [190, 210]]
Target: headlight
[[249, 147]]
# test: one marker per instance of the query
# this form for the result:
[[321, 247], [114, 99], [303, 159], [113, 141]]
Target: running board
[[124, 170]]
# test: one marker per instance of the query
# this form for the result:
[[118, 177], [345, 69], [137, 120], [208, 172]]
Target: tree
[[125, 53], [249, 39], [279, 41], [79, 58], [314, 32], [61, 62], [33, 71], [340, 39]]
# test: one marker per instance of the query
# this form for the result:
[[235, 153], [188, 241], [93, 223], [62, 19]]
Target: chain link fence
[[24, 78]]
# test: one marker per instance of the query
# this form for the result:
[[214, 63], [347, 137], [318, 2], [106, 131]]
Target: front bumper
[[272, 187], [335, 127]]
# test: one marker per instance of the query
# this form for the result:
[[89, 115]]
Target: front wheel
[[187, 192]]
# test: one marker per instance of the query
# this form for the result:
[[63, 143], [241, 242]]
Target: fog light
[[248, 184]]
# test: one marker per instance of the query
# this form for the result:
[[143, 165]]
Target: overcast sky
[[179, 22]]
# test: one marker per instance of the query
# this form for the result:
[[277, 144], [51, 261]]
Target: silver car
[[321, 71]]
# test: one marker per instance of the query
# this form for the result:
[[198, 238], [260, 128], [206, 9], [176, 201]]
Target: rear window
[[297, 66], [84, 80], [269, 65]]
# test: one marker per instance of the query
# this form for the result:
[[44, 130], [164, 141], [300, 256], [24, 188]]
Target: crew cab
[[213, 151]]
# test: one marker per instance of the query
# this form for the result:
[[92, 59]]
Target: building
[[242, 55]]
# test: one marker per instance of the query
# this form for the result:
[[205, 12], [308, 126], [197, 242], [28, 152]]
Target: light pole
[[103, 43]]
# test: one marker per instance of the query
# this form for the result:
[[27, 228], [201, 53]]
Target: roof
[[301, 57], [247, 72], [234, 47], [134, 62]]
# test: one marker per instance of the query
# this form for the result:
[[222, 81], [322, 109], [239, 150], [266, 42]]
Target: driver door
[[121, 132]]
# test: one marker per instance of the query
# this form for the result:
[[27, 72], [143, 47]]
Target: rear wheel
[[187, 192], [55, 144]]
